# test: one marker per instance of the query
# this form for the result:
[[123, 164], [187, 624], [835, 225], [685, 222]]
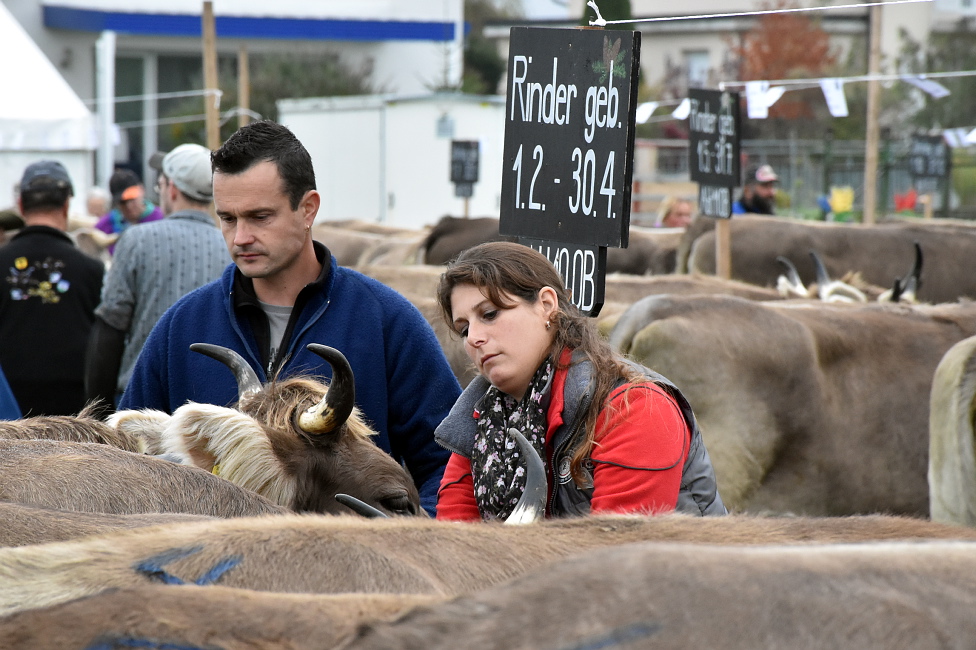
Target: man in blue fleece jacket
[[285, 291]]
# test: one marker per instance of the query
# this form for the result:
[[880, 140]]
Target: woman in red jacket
[[615, 437]]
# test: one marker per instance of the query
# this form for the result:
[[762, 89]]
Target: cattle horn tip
[[360, 507]]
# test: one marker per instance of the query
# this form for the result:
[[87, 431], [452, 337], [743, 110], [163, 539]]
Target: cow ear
[[192, 431]]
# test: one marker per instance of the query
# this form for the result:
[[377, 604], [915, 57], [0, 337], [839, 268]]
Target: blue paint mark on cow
[[128, 642], [218, 570], [153, 569], [626, 634]]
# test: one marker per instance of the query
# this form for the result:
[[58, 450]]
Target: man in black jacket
[[48, 294]]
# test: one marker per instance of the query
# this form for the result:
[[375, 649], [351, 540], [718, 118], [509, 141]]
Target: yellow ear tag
[[216, 469]]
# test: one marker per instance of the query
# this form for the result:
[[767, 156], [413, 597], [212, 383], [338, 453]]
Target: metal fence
[[807, 171]]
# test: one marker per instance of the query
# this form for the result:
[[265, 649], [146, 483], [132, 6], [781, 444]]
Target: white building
[[387, 158], [411, 46]]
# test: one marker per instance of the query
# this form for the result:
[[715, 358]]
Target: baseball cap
[[125, 185], [761, 174], [188, 166], [46, 174]]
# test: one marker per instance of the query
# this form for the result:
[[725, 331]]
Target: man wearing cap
[[153, 266], [48, 294], [759, 191], [129, 205]]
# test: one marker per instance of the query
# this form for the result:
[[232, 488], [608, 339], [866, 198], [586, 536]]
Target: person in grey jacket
[[154, 265], [613, 435]]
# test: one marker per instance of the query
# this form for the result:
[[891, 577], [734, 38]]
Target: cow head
[[296, 441]]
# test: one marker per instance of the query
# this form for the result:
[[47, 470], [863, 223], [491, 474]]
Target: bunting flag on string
[[645, 110], [933, 88], [833, 90], [683, 110], [756, 99], [759, 97]]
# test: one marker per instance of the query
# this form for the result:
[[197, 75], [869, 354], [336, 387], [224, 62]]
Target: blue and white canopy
[[345, 20]]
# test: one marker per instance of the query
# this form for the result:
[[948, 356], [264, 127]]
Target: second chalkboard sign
[[713, 148]]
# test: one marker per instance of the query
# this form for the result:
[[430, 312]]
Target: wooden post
[[871, 136], [211, 110], [723, 248], [243, 86]]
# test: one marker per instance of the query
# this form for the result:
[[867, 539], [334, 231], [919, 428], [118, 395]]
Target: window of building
[[697, 67]]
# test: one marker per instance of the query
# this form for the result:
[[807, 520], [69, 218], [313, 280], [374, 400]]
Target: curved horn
[[532, 505], [247, 379], [912, 281], [791, 273], [793, 283], [336, 405], [360, 507], [823, 278]]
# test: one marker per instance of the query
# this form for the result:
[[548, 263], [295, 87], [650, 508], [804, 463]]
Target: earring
[[548, 325]]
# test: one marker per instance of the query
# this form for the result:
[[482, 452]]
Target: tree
[[483, 66], [785, 46], [273, 77]]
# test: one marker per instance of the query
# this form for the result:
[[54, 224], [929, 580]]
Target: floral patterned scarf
[[497, 467]]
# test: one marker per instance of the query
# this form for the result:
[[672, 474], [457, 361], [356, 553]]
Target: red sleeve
[[455, 498], [640, 453]]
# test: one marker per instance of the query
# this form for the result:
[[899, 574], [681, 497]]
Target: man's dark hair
[[268, 141], [43, 196]]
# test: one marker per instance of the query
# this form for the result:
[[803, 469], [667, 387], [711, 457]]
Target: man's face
[[264, 235], [766, 190], [133, 204]]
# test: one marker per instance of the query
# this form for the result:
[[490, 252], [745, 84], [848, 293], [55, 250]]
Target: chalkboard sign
[[713, 148], [569, 135], [464, 162], [929, 158], [582, 268]]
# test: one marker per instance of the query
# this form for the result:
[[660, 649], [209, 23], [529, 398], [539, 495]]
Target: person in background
[[153, 267], [286, 290], [9, 409], [758, 192], [10, 222], [615, 436], [129, 205], [48, 294], [98, 202], [674, 212]]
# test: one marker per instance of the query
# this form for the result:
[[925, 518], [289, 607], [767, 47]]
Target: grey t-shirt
[[277, 322]]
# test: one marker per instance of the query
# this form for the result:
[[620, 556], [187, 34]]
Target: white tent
[[40, 115]]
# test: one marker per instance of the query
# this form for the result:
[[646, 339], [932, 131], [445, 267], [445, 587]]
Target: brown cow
[[649, 595], [90, 477], [952, 457], [24, 524], [880, 253], [188, 616], [810, 408], [451, 235], [84, 427], [649, 251], [319, 554], [296, 441]]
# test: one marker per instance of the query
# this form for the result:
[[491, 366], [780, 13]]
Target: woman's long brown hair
[[503, 270]]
